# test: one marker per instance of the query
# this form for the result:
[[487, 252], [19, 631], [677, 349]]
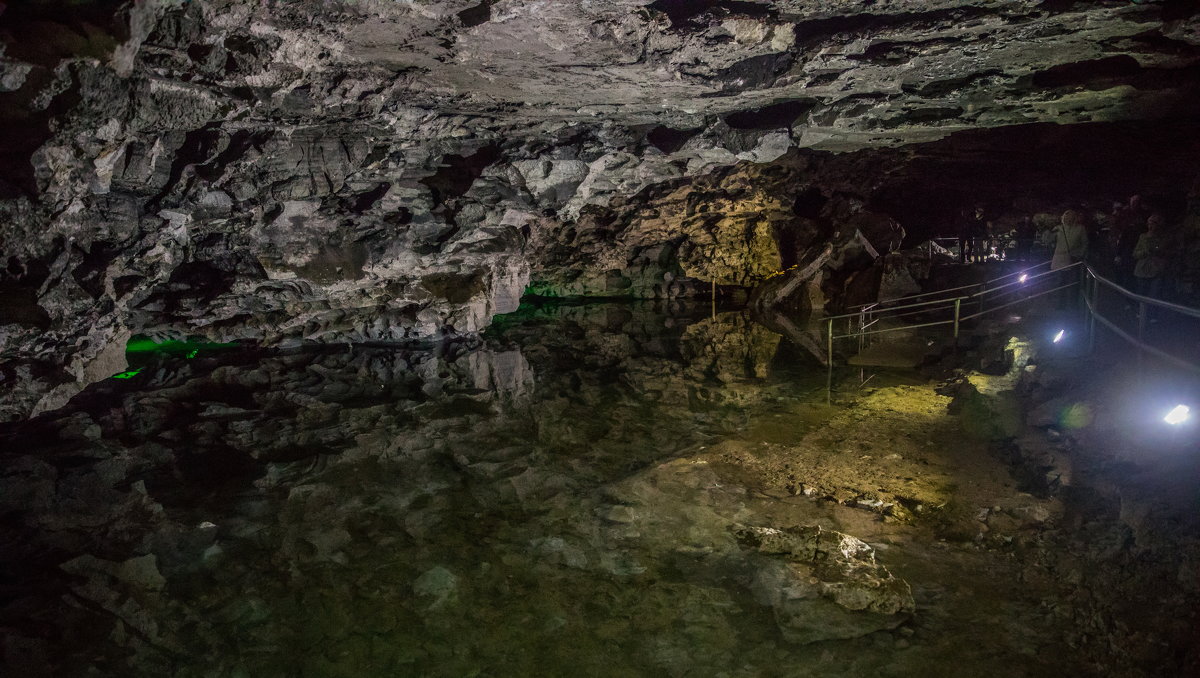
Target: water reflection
[[454, 512]]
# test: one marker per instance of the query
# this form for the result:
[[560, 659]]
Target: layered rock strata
[[374, 171]]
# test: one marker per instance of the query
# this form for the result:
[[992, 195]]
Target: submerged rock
[[438, 585], [824, 585]]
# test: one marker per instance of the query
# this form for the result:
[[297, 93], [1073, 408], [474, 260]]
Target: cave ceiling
[[837, 75]]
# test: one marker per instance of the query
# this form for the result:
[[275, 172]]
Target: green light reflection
[[141, 344]]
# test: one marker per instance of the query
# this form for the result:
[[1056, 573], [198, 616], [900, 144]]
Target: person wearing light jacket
[[1151, 257], [1071, 243]]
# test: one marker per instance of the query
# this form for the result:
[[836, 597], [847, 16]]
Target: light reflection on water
[[446, 513]]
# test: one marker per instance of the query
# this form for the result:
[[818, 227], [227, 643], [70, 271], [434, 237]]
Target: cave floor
[[941, 510], [559, 501]]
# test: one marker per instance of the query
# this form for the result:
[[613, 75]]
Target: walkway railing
[[962, 290], [1140, 321], [996, 245], [949, 307]]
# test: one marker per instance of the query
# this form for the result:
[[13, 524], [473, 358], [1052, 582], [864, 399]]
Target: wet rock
[[619, 514], [1049, 413], [141, 572], [824, 585], [438, 585]]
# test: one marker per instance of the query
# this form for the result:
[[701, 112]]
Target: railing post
[[829, 363], [1080, 291], [1093, 288], [829, 342], [957, 310], [1141, 323]]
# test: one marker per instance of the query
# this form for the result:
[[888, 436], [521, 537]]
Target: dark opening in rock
[[45, 31], [1057, 6], [90, 272], [199, 52], [1070, 163], [1174, 10], [757, 72], [125, 284], [683, 12], [479, 14], [239, 143], [1083, 73], [668, 140], [201, 280], [364, 201], [814, 30], [19, 306], [809, 203], [198, 145], [457, 288], [454, 178], [774, 116]]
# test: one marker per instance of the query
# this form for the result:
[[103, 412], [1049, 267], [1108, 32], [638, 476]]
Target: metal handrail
[[1027, 279], [1091, 301], [943, 304], [892, 329], [1015, 274], [1019, 301], [894, 308], [1158, 352], [949, 300], [1186, 310], [915, 296]]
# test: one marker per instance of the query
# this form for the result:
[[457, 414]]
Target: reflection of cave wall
[[430, 438]]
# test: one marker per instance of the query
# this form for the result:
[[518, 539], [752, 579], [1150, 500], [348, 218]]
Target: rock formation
[[320, 171]]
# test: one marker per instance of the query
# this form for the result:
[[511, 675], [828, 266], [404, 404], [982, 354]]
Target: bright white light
[[1178, 415], [1059, 337], [1023, 278]]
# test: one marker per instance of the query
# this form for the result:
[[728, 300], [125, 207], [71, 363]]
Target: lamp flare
[[1178, 415]]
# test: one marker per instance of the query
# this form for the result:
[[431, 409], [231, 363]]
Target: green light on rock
[[189, 349], [127, 375]]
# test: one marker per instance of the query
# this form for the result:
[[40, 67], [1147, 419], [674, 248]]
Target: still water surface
[[366, 512]]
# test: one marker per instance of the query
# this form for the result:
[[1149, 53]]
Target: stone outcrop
[[734, 227], [824, 585], [394, 171]]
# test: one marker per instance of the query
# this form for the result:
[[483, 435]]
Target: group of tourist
[[1131, 244], [979, 239]]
